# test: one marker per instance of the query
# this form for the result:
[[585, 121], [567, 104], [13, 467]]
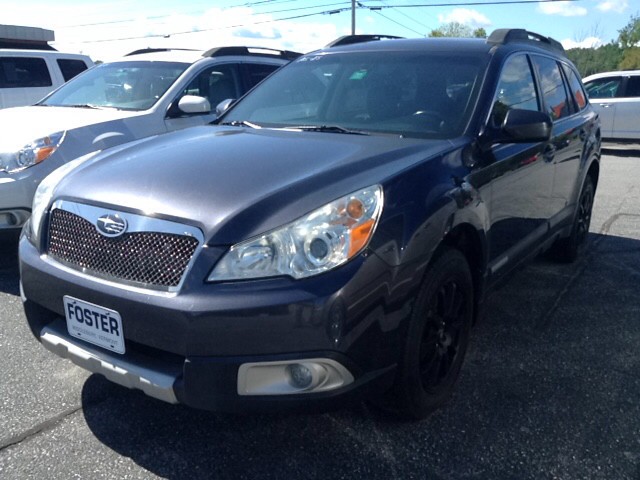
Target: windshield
[[122, 85], [415, 94]]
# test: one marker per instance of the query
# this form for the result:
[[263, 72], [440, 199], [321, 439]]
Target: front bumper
[[189, 347], [16, 193]]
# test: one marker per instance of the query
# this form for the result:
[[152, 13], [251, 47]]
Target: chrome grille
[[156, 259]]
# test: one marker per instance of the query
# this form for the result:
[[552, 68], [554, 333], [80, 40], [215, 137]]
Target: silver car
[[146, 93], [616, 97]]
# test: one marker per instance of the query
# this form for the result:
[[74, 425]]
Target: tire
[[568, 249], [437, 337]]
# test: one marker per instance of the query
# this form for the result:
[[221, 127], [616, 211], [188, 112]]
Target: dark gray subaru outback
[[332, 238]]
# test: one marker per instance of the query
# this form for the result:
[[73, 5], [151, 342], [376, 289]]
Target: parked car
[[332, 239], [616, 98], [26, 76], [146, 93]]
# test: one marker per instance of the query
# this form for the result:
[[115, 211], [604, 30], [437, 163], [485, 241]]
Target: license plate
[[94, 324]]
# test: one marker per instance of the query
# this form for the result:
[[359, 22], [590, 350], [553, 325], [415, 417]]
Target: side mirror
[[524, 126], [224, 105], [194, 104]]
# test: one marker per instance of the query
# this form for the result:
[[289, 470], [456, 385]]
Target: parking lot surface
[[549, 389]]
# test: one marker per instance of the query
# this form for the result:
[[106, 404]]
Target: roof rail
[[503, 36], [156, 50], [258, 51], [351, 39]]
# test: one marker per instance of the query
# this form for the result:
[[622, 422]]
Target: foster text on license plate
[[94, 324]]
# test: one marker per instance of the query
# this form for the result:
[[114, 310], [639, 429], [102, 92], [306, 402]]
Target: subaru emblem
[[111, 225]]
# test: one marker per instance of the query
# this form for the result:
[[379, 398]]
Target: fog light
[[290, 377], [300, 376]]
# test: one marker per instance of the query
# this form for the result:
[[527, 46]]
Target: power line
[[397, 23], [331, 12]]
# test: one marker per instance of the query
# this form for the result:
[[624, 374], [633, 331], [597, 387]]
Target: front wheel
[[567, 249], [437, 338]]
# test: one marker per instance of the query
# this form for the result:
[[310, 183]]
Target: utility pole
[[353, 17]]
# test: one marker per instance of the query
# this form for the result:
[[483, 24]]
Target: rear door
[[626, 124], [603, 93]]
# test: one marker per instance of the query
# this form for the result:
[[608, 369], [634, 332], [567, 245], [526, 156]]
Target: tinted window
[[576, 88], [633, 87], [70, 68], [256, 72], [216, 84], [516, 89], [124, 85], [18, 72], [553, 88], [603, 87], [415, 94]]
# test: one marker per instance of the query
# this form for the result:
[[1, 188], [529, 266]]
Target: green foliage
[[454, 29], [480, 33], [630, 34], [630, 59], [594, 60]]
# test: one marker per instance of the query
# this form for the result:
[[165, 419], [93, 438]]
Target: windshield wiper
[[87, 105], [326, 128], [241, 123]]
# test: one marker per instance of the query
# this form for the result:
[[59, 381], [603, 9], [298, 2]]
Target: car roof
[[415, 44], [18, 52], [616, 73], [192, 56]]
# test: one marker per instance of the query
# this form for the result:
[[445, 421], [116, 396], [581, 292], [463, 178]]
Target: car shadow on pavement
[[550, 385], [622, 150]]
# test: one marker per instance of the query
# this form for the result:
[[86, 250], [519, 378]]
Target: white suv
[[26, 76], [146, 93], [616, 97]]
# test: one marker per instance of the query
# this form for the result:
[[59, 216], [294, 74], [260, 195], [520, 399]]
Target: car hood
[[22, 125], [235, 183]]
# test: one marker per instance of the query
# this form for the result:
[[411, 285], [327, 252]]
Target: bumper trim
[[154, 383]]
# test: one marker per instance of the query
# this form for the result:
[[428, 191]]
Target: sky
[[106, 30]]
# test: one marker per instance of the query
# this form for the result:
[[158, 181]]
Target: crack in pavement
[[39, 428]]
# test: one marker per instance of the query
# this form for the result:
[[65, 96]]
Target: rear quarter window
[[20, 72], [71, 67]]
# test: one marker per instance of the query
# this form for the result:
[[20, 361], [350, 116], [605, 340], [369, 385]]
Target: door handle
[[606, 105]]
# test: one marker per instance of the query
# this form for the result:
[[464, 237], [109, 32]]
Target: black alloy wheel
[[567, 249], [437, 337]]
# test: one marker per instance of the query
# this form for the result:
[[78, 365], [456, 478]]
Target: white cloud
[[590, 42], [618, 6], [471, 18], [111, 35], [564, 9]]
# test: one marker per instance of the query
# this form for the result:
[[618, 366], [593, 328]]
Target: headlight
[[44, 192], [31, 154], [320, 241]]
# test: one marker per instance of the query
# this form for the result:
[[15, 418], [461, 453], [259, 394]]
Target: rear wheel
[[438, 336], [568, 249]]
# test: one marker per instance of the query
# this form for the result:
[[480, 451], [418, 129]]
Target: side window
[[633, 87], [18, 72], [215, 83], [71, 67], [575, 87], [256, 72], [553, 88], [603, 87], [516, 89]]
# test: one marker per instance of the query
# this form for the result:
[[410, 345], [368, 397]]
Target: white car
[[616, 97], [146, 93], [26, 76]]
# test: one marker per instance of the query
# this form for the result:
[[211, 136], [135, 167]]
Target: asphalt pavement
[[550, 389]]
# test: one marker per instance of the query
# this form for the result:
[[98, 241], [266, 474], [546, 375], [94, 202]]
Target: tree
[[630, 34], [452, 29], [480, 33], [630, 59]]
